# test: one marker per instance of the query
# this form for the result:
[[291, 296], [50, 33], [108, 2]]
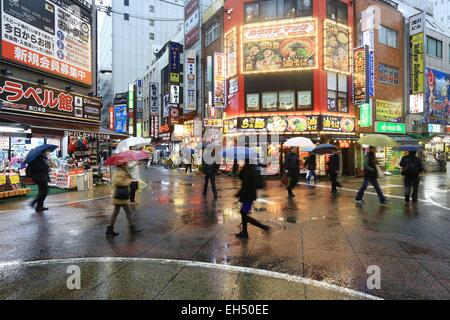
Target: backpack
[[411, 168]]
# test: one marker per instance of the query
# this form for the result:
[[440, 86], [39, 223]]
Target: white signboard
[[191, 81], [174, 94], [417, 23], [416, 103]]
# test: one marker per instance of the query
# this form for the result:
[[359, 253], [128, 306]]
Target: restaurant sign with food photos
[[360, 78], [337, 47], [279, 47]]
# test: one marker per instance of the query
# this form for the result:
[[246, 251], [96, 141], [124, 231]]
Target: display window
[[269, 101]]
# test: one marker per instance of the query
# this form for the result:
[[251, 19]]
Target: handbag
[[122, 193]]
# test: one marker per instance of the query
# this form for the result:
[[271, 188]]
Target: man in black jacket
[[40, 173], [333, 169], [210, 171], [311, 164], [412, 166], [291, 164]]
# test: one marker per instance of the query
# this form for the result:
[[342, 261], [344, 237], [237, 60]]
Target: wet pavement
[[317, 236]]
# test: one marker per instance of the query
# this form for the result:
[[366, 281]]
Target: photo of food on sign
[[276, 124], [359, 78], [297, 124], [337, 47]]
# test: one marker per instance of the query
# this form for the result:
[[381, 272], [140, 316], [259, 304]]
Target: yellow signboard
[[389, 111], [2, 179], [174, 77], [14, 179], [417, 63]]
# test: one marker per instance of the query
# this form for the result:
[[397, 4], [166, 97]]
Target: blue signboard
[[174, 57], [120, 118], [371, 74], [437, 102]]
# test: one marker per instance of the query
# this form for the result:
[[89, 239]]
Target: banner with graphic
[[437, 99]]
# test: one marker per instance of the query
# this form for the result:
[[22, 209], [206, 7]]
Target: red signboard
[[111, 118]]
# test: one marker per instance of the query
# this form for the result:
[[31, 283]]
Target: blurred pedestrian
[[121, 181], [210, 171], [333, 167], [370, 176], [135, 178], [247, 195], [411, 166], [39, 171], [187, 159], [311, 165], [293, 170]]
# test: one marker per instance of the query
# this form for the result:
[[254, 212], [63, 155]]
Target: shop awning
[[405, 140]]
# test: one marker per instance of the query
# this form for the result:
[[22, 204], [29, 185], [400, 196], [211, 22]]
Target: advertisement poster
[[360, 79], [48, 36], [269, 100], [337, 46], [416, 103], [281, 47], [437, 98], [417, 63], [120, 118], [287, 100], [365, 115], [253, 102], [231, 52], [304, 100], [389, 111], [192, 23], [219, 80], [338, 124], [191, 81], [26, 98]]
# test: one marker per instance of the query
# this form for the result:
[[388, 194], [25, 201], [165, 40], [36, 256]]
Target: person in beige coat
[[121, 181]]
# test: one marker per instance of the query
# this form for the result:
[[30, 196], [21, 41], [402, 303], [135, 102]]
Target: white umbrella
[[133, 142], [299, 142]]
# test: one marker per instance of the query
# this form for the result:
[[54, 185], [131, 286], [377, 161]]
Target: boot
[[110, 232], [134, 230]]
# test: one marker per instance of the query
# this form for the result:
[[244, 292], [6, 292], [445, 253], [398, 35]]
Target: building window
[[337, 10], [389, 74], [388, 36], [126, 3], [152, 23], [434, 47], [126, 16], [212, 34], [152, 8], [152, 36], [337, 92], [272, 9]]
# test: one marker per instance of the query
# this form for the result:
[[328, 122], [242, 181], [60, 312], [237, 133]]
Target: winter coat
[[370, 163], [40, 169], [248, 178], [292, 164], [333, 164], [418, 163], [311, 162], [121, 178]]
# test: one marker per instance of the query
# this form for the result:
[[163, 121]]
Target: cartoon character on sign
[[431, 94]]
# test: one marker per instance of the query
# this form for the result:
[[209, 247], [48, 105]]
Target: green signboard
[[365, 115], [390, 127]]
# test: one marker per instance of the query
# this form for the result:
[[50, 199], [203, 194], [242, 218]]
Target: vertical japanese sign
[[192, 23], [360, 78], [131, 111], [120, 118], [417, 63], [111, 118], [231, 52], [369, 40], [191, 81], [174, 57], [365, 115], [154, 98], [337, 47], [52, 36], [219, 80]]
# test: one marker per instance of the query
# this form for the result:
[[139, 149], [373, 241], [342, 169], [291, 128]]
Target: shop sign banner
[[389, 111], [111, 118], [416, 103], [417, 63], [278, 48], [389, 127], [192, 23], [276, 124], [174, 77], [154, 127], [338, 124], [231, 52], [49, 36], [154, 98], [120, 118], [31, 99], [360, 79], [435, 128], [191, 81], [174, 94], [165, 106], [437, 97], [219, 80], [216, 123], [365, 115], [174, 57], [337, 47], [174, 115], [417, 23], [4, 143]]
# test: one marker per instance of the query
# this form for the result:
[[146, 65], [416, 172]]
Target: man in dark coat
[[40, 173], [311, 165], [210, 171], [292, 167], [247, 195], [333, 167], [412, 166]]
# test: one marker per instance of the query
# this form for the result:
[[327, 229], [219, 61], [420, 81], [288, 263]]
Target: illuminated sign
[[365, 115], [111, 118], [278, 47], [191, 83], [388, 111], [231, 52], [174, 94], [120, 118], [360, 79], [416, 103], [174, 77], [218, 123], [417, 63], [338, 124], [437, 92], [435, 128], [131, 109], [337, 47], [219, 80], [389, 127]]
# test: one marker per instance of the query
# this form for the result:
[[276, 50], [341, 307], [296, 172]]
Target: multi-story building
[[289, 64], [134, 29], [441, 11]]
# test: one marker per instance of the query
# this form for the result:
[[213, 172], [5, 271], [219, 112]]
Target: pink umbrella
[[125, 157]]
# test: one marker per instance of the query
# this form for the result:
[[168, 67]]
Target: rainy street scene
[[234, 151]]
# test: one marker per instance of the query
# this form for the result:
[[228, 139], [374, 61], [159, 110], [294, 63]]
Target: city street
[[320, 248]]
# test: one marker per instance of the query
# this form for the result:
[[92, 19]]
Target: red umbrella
[[125, 157]]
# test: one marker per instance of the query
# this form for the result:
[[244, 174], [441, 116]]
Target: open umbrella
[[240, 153], [378, 140], [307, 149], [409, 147], [125, 157], [324, 149], [36, 152], [299, 142], [133, 142]]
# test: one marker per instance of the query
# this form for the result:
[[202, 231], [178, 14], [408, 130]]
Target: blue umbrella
[[409, 147], [36, 152], [240, 153], [324, 149]]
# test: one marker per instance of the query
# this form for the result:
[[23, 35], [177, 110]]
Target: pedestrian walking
[[247, 195], [333, 167], [370, 176], [121, 182], [293, 170], [411, 166], [135, 178], [39, 171], [311, 165], [210, 171]]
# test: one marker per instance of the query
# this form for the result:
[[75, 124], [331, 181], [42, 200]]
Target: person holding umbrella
[[333, 166], [411, 166], [38, 170], [292, 167], [370, 176]]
